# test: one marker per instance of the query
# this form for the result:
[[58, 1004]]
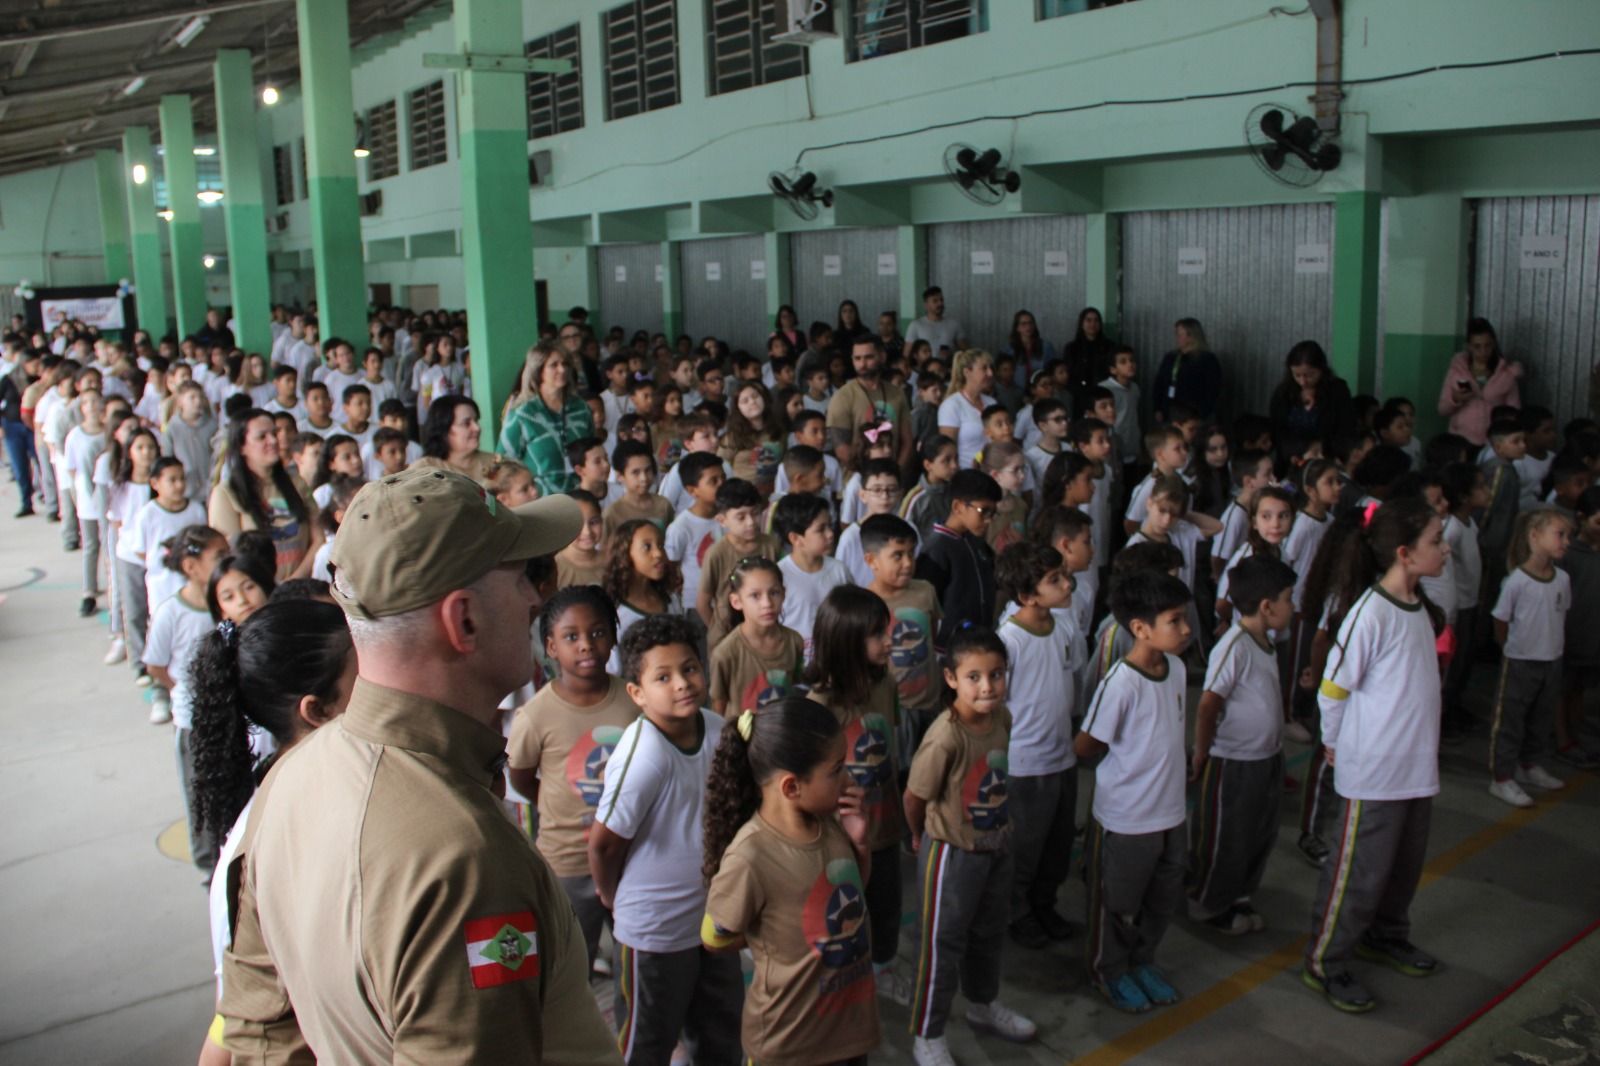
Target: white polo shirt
[[1535, 613], [1039, 694], [1244, 672], [1139, 785]]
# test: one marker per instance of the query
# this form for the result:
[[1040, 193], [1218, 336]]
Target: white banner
[[103, 312]]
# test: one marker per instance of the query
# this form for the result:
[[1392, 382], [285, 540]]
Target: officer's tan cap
[[413, 538]]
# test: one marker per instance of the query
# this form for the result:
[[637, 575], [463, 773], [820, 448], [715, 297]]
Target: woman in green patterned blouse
[[538, 430]]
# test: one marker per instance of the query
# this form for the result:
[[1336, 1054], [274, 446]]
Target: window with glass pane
[[739, 42], [305, 180], [283, 173], [1049, 9], [428, 144], [555, 101], [641, 52], [884, 27], [383, 142]]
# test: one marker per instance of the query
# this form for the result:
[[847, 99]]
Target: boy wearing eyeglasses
[[958, 561]]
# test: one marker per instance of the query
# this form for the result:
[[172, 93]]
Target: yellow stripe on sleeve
[[214, 1034], [714, 937], [1334, 692]]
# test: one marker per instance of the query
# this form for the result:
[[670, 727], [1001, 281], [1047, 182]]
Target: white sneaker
[[1510, 792], [1296, 731], [1538, 777], [1002, 1021], [933, 1052], [160, 712], [118, 651], [892, 986]]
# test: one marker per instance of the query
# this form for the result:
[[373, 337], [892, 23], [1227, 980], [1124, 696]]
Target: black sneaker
[[86, 609], [1055, 927], [1340, 990], [1402, 956], [25, 512], [1313, 850], [1029, 933]]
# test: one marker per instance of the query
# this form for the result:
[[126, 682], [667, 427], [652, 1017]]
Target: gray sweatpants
[[1135, 883], [964, 896], [134, 598], [1369, 879], [591, 913], [1042, 812], [1235, 827], [1524, 714], [662, 995], [89, 537]]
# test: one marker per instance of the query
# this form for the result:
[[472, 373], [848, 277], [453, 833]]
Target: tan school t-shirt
[[869, 757], [962, 776]]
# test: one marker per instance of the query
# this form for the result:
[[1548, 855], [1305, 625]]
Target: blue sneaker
[[1125, 995], [1155, 986]]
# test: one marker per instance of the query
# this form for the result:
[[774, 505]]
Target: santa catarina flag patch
[[502, 949]]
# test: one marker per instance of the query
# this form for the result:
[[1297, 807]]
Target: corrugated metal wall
[[1016, 247], [734, 307], [630, 295], [1252, 303], [1548, 318], [817, 295]]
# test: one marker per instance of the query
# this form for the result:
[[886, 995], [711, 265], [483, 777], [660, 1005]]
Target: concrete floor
[[108, 960]]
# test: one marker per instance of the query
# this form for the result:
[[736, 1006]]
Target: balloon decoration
[[24, 289]]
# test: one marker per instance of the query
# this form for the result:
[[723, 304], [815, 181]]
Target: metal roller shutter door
[[817, 294], [630, 295], [1016, 247], [732, 308]]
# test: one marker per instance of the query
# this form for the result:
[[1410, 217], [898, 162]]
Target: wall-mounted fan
[[798, 189], [1289, 147], [979, 174]]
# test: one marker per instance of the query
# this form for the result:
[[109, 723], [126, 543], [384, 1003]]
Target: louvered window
[[305, 179], [641, 50], [428, 143], [383, 142], [555, 101], [283, 173], [884, 27], [1049, 9], [739, 41]]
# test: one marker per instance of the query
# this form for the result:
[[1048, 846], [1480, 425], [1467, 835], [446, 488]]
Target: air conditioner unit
[[807, 21], [539, 164], [371, 203], [278, 223]]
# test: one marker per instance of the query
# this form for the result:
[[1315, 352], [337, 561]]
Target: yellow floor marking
[[1167, 1022]]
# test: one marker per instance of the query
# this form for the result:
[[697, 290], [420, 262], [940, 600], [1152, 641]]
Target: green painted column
[[144, 233], [1425, 305], [1357, 258], [331, 169], [113, 215], [188, 246], [244, 213], [912, 268], [1102, 273], [491, 109], [671, 290], [780, 279]]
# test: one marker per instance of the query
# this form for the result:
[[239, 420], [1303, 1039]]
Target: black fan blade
[[1012, 181], [1273, 158], [804, 184], [1272, 124], [1303, 134], [966, 158], [988, 161], [780, 186], [1328, 157]]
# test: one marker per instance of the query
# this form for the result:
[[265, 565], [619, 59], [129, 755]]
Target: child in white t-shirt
[[695, 530], [1530, 619], [127, 490], [80, 448], [1135, 851], [1042, 788], [1169, 452], [646, 850], [879, 492], [1238, 752], [804, 525]]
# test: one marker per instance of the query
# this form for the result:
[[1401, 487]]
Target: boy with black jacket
[[958, 561]]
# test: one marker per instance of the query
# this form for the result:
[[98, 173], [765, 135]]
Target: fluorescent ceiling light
[[362, 153], [141, 174], [190, 31], [134, 86], [205, 151], [208, 196], [269, 96], [209, 261], [165, 216]]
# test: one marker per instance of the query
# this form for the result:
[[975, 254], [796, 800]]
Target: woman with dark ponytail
[[787, 858], [287, 670]]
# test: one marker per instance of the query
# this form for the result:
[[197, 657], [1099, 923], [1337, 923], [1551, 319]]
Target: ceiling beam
[[29, 31], [104, 82], [24, 59]]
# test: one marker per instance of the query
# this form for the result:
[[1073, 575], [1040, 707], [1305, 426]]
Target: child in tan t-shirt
[[849, 675], [786, 857], [563, 737], [955, 804], [637, 469], [582, 562], [760, 661], [890, 546], [739, 514]]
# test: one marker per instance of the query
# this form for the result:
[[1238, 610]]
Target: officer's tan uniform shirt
[[387, 910]]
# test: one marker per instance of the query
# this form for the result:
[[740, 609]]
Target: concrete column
[[1425, 306], [491, 111], [188, 246], [672, 290], [1102, 273], [780, 279], [331, 168], [912, 265], [144, 233], [1356, 262], [244, 212], [113, 215]]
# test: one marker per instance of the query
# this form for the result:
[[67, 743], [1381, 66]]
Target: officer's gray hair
[[405, 628]]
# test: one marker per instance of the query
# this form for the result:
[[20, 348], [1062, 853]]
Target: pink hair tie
[[1366, 517]]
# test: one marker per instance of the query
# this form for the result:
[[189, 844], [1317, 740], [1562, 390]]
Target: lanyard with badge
[[1172, 387]]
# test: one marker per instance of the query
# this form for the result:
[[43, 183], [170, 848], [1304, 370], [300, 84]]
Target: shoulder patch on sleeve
[[502, 948]]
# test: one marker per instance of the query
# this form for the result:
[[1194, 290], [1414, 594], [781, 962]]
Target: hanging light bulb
[[209, 261], [165, 216], [269, 95], [141, 174]]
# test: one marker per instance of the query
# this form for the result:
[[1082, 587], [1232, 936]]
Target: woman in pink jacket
[[1479, 380]]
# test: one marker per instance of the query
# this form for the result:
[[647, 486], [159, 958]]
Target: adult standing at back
[[538, 430], [1090, 352], [961, 413], [387, 908], [865, 399], [1479, 380], [940, 332], [1311, 402], [1190, 373], [259, 493], [849, 326], [1030, 350]]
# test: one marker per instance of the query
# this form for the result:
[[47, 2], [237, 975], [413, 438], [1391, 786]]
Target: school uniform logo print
[[867, 752], [586, 766], [707, 542], [764, 688], [834, 922], [908, 651], [983, 793]]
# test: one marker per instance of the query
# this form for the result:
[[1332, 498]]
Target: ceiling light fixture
[[205, 151], [362, 153], [134, 86], [141, 173], [190, 31], [269, 95], [165, 216], [208, 196], [210, 261]]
